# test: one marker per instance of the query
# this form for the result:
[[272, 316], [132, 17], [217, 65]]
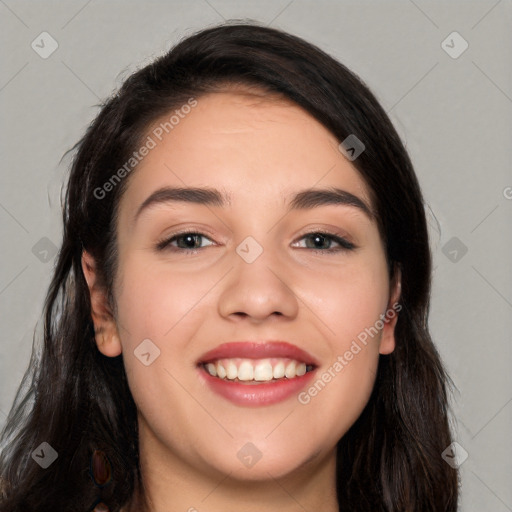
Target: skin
[[260, 151]]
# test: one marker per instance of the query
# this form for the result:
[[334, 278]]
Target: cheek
[[348, 300], [349, 304], [166, 307], [161, 307], [343, 384], [154, 301]]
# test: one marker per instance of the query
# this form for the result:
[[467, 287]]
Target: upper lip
[[258, 350]]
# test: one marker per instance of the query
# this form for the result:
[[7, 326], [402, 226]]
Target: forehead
[[257, 150]]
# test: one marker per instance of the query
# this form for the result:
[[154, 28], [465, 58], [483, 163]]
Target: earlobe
[[108, 343], [105, 328], [387, 342]]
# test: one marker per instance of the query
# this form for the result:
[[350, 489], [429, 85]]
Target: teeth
[[246, 371], [221, 371], [300, 369], [290, 370], [232, 371], [211, 369], [279, 370], [263, 370]]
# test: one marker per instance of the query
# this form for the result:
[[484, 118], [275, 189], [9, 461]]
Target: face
[[251, 272]]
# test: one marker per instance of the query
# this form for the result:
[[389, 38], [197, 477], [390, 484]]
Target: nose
[[258, 291]]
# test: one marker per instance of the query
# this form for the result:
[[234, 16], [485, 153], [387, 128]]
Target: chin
[[252, 465]]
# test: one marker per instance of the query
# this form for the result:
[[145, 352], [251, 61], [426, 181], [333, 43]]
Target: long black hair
[[78, 401]]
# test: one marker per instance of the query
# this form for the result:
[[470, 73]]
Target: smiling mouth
[[256, 371]]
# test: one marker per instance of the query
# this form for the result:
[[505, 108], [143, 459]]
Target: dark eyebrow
[[302, 200], [206, 196], [314, 197]]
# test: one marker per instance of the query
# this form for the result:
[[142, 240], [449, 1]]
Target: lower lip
[[266, 393]]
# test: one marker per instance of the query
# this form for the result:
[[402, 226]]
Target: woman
[[238, 314]]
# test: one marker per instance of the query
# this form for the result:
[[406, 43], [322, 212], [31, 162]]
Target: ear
[[390, 316], [105, 328]]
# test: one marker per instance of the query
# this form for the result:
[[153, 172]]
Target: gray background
[[453, 114]]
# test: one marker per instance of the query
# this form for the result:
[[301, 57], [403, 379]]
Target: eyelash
[[344, 245]]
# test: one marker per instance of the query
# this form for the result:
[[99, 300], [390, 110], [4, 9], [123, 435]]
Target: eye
[[188, 241], [321, 241]]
